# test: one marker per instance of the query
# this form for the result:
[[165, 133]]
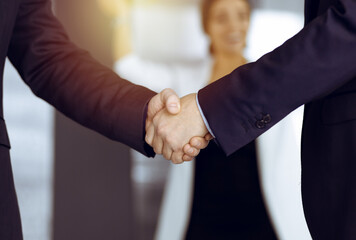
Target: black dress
[[227, 202]]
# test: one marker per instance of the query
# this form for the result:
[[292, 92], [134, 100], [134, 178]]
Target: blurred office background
[[73, 183]]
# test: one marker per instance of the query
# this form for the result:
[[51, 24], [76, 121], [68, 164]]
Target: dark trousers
[[10, 223]]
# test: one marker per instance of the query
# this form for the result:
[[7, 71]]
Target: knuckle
[[167, 155], [155, 119], [177, 148], [161, 130], [167, 91], [178, 159], [170, 140], [157, 150]]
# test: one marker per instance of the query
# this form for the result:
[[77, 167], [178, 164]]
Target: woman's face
[[227, 25]]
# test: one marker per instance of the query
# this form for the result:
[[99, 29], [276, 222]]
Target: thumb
[[171, 100], [167, 98]]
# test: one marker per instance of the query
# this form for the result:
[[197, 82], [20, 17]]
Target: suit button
[[267, 118], [260, 124]]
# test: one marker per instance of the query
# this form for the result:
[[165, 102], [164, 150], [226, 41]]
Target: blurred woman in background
[[227, 199]]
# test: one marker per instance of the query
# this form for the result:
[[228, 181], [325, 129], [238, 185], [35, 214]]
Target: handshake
[[175, 127]]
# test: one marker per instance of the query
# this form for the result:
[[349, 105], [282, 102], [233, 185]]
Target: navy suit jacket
[[318, 67], [70, 80]]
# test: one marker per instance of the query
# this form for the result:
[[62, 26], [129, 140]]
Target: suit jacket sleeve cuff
[[147, 148], [204, 118]]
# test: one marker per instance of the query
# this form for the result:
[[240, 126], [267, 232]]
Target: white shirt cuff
[[204, 119]]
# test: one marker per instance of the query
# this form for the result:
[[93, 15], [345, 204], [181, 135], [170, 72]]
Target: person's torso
[[314, 8], [228, 202], [329, 156]]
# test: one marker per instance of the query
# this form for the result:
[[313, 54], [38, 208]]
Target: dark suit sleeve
[[72, 81], [316, 61]]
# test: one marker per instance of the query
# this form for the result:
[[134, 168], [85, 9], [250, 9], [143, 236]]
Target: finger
[[149, 134], [167, 152], [209, 137], [198, 142], [177, 157], [190, 151], [171, 101], [154, 106], [187, 158], [157, 145]]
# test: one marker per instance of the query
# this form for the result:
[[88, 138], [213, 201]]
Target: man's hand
[[168, 133], [167, 99]]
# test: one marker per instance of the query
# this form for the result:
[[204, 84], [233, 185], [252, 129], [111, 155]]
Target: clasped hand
[[175, 128]]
